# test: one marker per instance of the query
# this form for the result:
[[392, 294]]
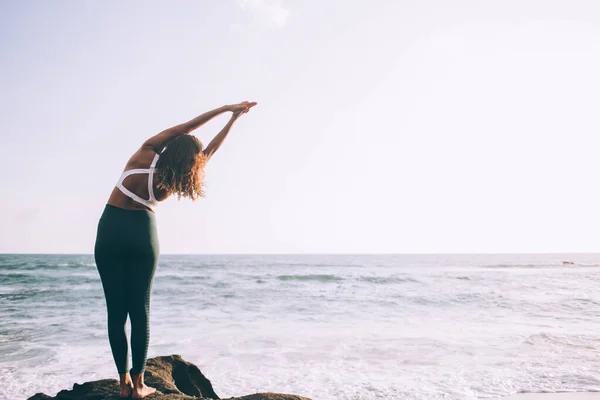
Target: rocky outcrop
[[172, 376]]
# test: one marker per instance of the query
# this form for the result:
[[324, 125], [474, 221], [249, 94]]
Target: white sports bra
[[150, 203]]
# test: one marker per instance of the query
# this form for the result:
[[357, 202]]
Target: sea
[[343, 327]]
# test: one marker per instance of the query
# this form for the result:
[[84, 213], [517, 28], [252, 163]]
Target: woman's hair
[[180, 168]]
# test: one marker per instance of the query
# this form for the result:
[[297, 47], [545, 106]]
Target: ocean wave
[[439, 300], [519, 266], [586, 301], [36, 279], [310, 277], [580, 342], [302, 264], [64, 265], [27, 294], [542, 266], [220, 284], [387, 279], [7, 339], [15, 278], [27, 266], [181, 277], [8, 265]]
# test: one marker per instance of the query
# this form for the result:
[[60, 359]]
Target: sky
[[382, 126]]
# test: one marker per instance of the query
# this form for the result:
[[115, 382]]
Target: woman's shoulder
[[141, 158]]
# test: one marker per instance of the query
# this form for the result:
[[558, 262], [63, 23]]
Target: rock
[[39, 396], [172, 376]]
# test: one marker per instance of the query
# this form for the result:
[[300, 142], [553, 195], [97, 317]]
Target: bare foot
[[141, 392], [126, 385], [126, 390]]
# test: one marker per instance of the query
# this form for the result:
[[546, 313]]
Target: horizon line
[[324, 254]]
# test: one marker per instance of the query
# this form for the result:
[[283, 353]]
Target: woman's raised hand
[[242, 107]]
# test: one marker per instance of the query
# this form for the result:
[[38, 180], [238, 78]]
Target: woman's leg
[[140, 275], [111, 257], [112, 273]]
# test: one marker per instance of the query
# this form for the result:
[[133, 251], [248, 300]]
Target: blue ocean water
[[343, 327]]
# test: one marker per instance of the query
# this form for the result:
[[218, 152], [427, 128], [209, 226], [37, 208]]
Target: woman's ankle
[[124, 378], [137, 379]]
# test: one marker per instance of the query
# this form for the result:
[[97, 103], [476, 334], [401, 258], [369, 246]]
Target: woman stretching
[[126, 250]]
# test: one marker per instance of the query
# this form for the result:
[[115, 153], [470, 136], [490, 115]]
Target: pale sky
[[382, 126]]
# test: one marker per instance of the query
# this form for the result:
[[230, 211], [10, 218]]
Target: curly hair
[[180, 168]]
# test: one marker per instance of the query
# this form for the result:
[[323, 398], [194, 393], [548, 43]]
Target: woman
[[126, 250]]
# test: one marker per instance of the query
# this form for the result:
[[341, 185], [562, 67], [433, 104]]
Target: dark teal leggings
[[126, 254]]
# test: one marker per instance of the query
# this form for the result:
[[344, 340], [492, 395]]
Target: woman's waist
[[128, 219]]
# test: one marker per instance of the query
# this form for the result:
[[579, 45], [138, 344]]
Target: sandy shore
[[555, 396]]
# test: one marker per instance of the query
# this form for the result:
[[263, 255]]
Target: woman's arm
[[159, 141], [214, 144], [218, 140]]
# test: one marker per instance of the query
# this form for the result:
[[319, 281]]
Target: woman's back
[[137, 183]]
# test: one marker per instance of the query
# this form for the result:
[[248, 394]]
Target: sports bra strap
[[151, 179], [154, 161], [134, 171], [150, 171]]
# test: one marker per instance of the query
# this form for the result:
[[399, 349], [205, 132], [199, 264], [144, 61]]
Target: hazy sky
[[382, 126]]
